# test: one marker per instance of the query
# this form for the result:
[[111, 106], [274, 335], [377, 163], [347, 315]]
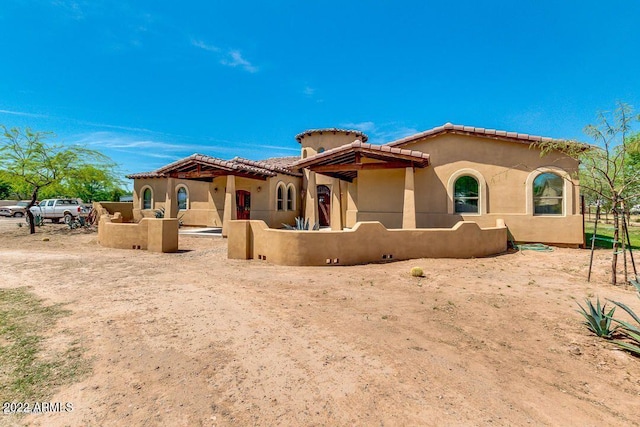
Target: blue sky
[[149, 82]]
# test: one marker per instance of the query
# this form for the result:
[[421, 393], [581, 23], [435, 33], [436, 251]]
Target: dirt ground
[[195, 339]]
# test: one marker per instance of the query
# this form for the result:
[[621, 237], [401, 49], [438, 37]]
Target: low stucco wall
[[367, 242], [125, 209], [152, 234]]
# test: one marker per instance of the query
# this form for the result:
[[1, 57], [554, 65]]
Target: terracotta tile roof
[[275, 164], [265, 168], [346, 155], [356, 133], [470, 130], [145, 175]]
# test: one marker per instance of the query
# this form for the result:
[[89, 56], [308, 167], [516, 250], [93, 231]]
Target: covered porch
[[217, 191], [340, 169]]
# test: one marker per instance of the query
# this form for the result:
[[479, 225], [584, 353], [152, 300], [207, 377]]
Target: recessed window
[[291, 198], [280, 203], [320, 150], [466, 195], [548, 194], [183, 198], [147, 196]]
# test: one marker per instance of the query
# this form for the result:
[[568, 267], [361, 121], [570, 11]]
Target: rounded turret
[[315, 141]]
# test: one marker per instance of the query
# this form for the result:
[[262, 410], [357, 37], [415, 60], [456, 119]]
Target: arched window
[[465, 191], [183, 198], [320, 150], [548, 194], [147, 198], [291, 197], [280, 194]]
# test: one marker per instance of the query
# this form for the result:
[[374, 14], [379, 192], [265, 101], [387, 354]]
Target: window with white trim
[[466, 195], [548, 194], [183, 198]]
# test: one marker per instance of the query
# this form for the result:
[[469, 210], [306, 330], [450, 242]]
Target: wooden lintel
[[214, 174], [360, 166], [196, 174]]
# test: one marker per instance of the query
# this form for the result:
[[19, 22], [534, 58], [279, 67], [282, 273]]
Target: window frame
[[538, 199], [465, 198], [569, 205], [482, 192], [291, 198], [281, 197], [142, 200], [186, 191]]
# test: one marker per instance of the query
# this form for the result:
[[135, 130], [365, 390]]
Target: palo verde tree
[[27, 159], [609, 169]]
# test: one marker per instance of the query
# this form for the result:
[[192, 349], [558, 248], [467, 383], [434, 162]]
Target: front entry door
[[243, 204], [324, 205]]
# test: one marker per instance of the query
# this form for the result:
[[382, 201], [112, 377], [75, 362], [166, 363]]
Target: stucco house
[[432, 179]]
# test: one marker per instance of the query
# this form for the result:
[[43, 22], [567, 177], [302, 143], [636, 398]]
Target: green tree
[[609, 169], [91, 183], [30, 162], [5, 190]]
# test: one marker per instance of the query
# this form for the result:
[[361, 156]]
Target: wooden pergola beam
[[361, 166]]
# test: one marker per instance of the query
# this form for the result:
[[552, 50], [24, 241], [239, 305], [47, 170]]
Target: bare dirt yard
[[195, 339]]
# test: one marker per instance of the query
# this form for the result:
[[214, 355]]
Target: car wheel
[[68, 218], [18, 215]]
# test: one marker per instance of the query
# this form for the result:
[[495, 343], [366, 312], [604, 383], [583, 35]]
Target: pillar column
[[311, 198], [230, 208], [352, 204], [409, 205], [170, 202], [336, 205]]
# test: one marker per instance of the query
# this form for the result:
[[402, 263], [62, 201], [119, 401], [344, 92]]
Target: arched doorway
[[243, 204], [324, 205]]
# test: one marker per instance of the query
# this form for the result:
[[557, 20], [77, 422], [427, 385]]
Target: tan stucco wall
[[125, 209], [505, 168], [365, 243], [156, 235], [206, 199]]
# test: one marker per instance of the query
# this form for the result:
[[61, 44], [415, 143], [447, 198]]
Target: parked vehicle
[[57, 209], [635, 210], [17, 210]]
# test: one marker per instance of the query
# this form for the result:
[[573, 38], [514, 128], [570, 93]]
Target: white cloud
[[203, 45], [116, 141], [362, 126], [309, 91], [20, 113], [381, 134], [236, 60]]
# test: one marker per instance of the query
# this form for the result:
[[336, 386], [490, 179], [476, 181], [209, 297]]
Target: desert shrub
[[597, 319], [417, 272], [301, 225], [630, 332]]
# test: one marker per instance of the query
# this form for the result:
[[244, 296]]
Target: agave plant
[[301, 225], [631, 332], [598, 320]]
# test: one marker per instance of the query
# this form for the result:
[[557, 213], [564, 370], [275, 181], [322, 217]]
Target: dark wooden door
[[243, 204], [324, 205]]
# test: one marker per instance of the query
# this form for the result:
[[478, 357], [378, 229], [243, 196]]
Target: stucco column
[[311, 198], [336, 205], [352, 204], [170, 202], [409, 206], [230, 208]]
